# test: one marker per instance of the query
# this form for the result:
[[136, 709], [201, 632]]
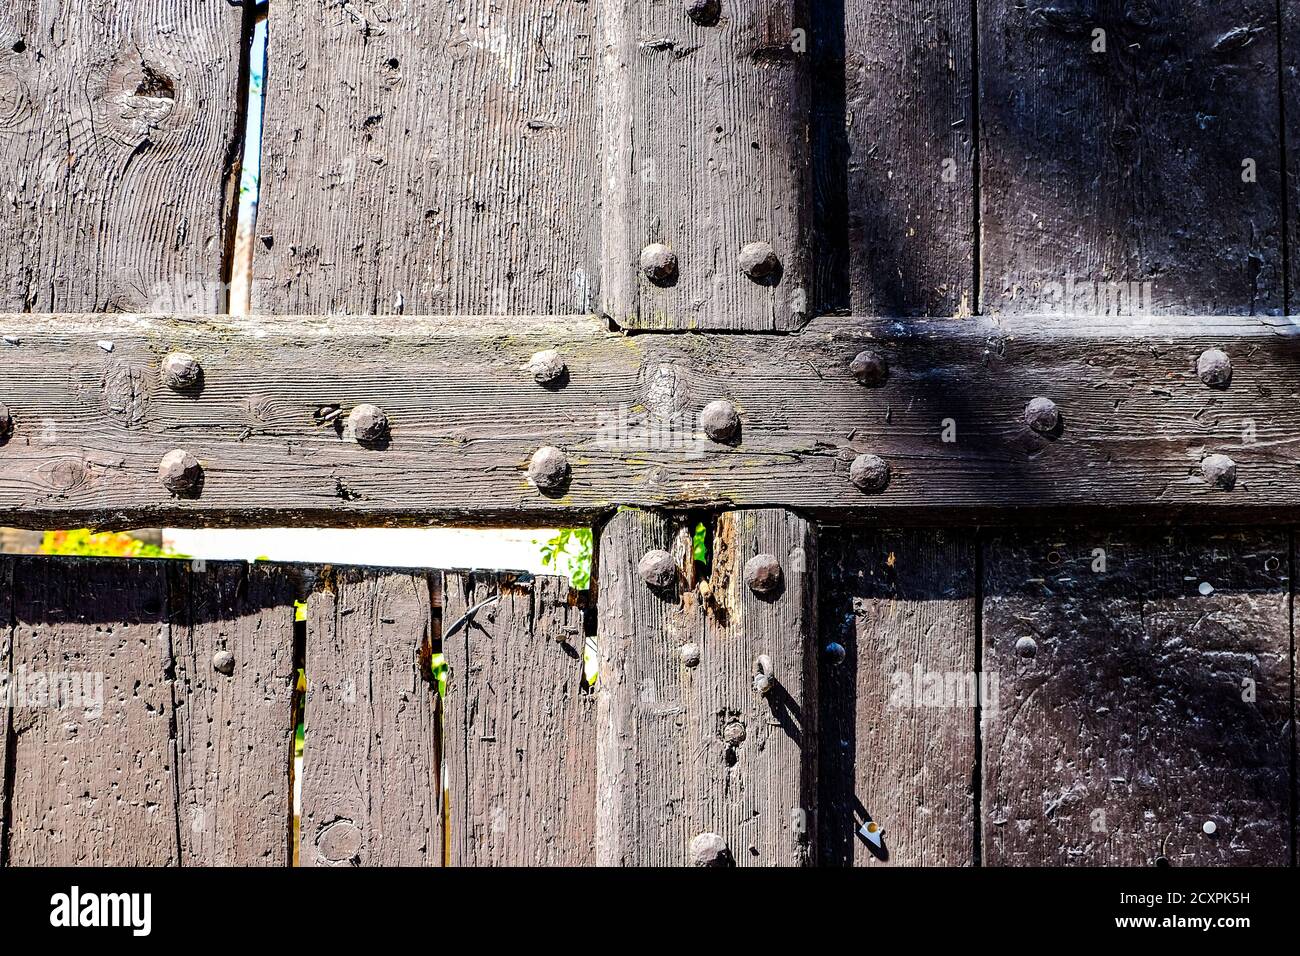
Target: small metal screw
[[1042, 415], [1026, 647], [659, 263], [368, 424], [548, 469], [705, 13], [547, 367], [223, 662], [733, 733], [870, 368], [720, 420], [690, 654], [763, 574], [870, 473], [180, 472], [657, 569], [759, 261], [1209, 827], [180, 371], [836, 653], [764, 677], [1220, 471], [709, 849], [1214, 368], [6, 422]]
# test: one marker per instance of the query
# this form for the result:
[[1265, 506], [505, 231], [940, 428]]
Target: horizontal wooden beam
[[91, 419]]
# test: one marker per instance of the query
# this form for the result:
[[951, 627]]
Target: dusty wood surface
[[519, 725], [1127, 165], [1139, 702], [370, 792], [705, 132], [429, 158], [466, 415], [120, 125], [898, 716], [670, 766], [234, 733]]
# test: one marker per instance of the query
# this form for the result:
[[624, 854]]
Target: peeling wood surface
[[429, 158], [120, 126], [705, 130], [898, 726], [1154, 697], [519, 724], [669, 765], [370, 794]]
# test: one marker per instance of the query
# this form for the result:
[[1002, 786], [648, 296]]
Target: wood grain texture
[[429, 158], [899, 715], [666, 770], [466, 415], [370, 789], [234, 733], [1289, 38], [6, 719], [705, 130], [520, 725], [120, 127], [1127, 165], [1156, 697]]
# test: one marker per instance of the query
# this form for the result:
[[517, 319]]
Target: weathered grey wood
[[6, 670], [1127, 165], [92, 787], [370, 789], [234, 733], [466, 415], [666, 771], [899, 715], [519, 724], [429, 158], [120, 128], [1155, 697], [705, 130]]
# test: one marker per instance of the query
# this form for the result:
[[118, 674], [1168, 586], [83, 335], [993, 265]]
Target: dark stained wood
[[466, 415], [1289, 25], [1126, 166], [705, 130], [370, 789], [429, 158], [519, 725], [120, 127], [1133, 723], [665, 769], [234, 734], [899, 715]]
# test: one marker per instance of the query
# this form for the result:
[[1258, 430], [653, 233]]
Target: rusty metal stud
[[870, 473], [870, 368], [180, 371], [548, 469], [657, 569], [180, 472], [659, 264], [6, 422], [547, 367], [759, 261], [720, 420], [1214, 368], [836, 653], [1042, 415], [705, 13], [1220, 471], [368, 424], [763, 574], [734, 733], [1026, 647], [223, 662], [709, 849], [690, 654], [764, 676]]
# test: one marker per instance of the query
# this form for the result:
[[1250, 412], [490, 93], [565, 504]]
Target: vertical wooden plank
[[234, 731], [1145, 692], [1289, 39], [6, 718], [686, 744], [429, 158], [520, 728], [1155, 159], [93, 780], [705, 127], [370, 790], [120, 128], [899, 714]]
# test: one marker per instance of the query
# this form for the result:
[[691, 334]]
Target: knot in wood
[[870, 368], [1042, 415], [759, 261], [368, 424], [1214, 368], [659, 263], [763, 574], [733, 733], [180, 371], [690, 654], [223, 662], [705, 13], [870, 473], [548, 469], [720, 420], [547, 367], [709, 849], [180, 472], [658, 569], [1220, 471]]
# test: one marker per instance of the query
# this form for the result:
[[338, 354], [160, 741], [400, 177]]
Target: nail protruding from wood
[[870, 473], [548, 469], [1026, 647], [180, 473], [547, 367], [1209, 828], [763, 574], [1042, 415], [368, 424], [659, 264], [720, 421], [690, 654], [764, 675], [657, 569], [1214, 368], [1220, 471], [705, 13], [709, 849], [835, 653], [870, 368], [223, 662], [759, 261], [733, 734], [180, 371]]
